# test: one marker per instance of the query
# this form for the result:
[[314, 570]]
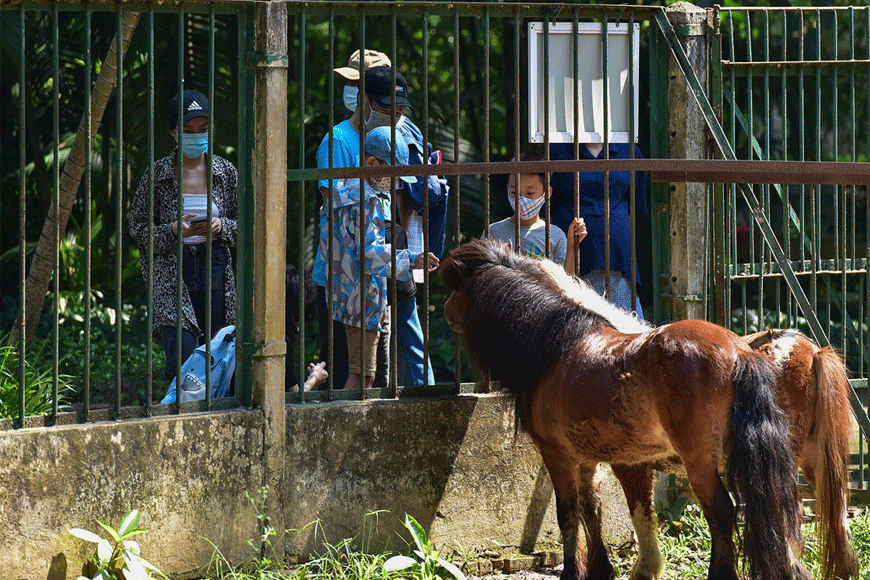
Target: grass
[[685, 546], [684, 542]]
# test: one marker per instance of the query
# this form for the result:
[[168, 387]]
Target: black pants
[[194, 272], [337, 367]]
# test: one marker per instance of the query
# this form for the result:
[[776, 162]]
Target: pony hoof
[[798, 572]]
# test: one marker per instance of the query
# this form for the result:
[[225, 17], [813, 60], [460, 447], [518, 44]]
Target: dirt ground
[[548, 574], [541, 574]]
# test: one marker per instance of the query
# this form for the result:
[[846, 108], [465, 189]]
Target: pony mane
[[519, 322], [582, 293]]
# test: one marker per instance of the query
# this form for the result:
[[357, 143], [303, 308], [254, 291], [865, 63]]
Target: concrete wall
[[452, 463]]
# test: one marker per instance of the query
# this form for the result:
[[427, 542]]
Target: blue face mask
[[194, 145], [350, 98]]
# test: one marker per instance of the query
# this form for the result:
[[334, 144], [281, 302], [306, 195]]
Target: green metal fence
[[85, 130], [467, 67], [792, 84]]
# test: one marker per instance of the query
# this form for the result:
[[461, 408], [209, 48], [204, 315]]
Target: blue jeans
[[411, 369]]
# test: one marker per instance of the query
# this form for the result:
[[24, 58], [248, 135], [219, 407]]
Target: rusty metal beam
[[661, 170]]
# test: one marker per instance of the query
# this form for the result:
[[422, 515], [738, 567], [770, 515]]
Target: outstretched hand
[[420, 262]]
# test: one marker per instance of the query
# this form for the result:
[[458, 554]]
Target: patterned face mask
[[528, 207]]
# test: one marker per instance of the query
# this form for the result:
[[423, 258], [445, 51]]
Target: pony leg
[[637, 483], [600, 567], [719, 513], [563, 474]]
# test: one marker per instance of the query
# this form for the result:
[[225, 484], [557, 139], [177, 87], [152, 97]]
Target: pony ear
[[453, 272]]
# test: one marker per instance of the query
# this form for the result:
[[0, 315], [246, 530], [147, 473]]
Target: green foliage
[[38, 380], [349, 559], [119, 559], [427, 565]]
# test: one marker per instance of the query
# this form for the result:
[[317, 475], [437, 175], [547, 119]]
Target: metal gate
[[794, 85]]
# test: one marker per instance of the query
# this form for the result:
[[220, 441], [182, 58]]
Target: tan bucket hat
[[373, 59]]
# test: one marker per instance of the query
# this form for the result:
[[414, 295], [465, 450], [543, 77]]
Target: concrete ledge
[[186, 474], [452, 463]]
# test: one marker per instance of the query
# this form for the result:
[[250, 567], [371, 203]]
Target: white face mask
[[351, 94]]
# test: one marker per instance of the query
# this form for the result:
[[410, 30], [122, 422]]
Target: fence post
[[687, 139], [270, 233]]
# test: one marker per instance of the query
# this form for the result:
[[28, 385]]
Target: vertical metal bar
[[394, 319], [765, 190], [150, 249], [786, 198], [330, 303], [426, 215], [55, 333], [209, 197], [575, 57], [605, 87], [486, 120], [245, 252], [119, 202], [179, 214], [86, 403], [546, 135], [22, 214], [300, 224], [516, 193], [457, 192], [632, 175], [362, 214]]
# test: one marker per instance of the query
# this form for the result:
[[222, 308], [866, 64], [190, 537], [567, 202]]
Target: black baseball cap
[[195, 105], [379, 82]]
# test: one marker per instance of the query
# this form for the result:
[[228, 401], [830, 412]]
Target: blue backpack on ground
[[223, 365]]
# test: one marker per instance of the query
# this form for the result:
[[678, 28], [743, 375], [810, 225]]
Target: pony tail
[[761, 469], [831, 417]]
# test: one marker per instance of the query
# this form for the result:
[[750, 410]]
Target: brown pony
[[813, 390], [586, 392]]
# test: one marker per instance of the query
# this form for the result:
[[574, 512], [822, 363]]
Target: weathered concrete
[[687, 140], [452, 463], [187, 476]]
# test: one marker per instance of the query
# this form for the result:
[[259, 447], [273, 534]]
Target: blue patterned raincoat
[[346, 282]]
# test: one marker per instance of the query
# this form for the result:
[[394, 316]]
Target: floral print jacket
[[346, 281], [225, 181]]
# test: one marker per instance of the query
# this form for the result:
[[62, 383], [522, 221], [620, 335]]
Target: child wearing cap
[[349, 243]]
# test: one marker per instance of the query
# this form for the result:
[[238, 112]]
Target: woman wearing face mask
[[533, 229], [193, 139]]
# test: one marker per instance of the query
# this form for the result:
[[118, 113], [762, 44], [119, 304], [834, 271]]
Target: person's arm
[[164, 238], [577, 230], [378, 250], [404, 206], [228, 227]]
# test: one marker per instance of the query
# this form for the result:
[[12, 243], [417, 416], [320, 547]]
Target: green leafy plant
[[118, 561], [428, 565], [38, 381]]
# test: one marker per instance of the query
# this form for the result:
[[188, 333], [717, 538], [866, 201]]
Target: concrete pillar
[[687, 139], [270, 218]]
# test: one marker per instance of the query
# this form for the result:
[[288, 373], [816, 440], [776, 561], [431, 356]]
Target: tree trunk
[[42, 267]]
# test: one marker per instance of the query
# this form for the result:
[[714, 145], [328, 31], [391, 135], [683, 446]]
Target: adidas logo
[[194, 106]]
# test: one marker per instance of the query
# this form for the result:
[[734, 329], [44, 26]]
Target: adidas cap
[[195, 105]]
